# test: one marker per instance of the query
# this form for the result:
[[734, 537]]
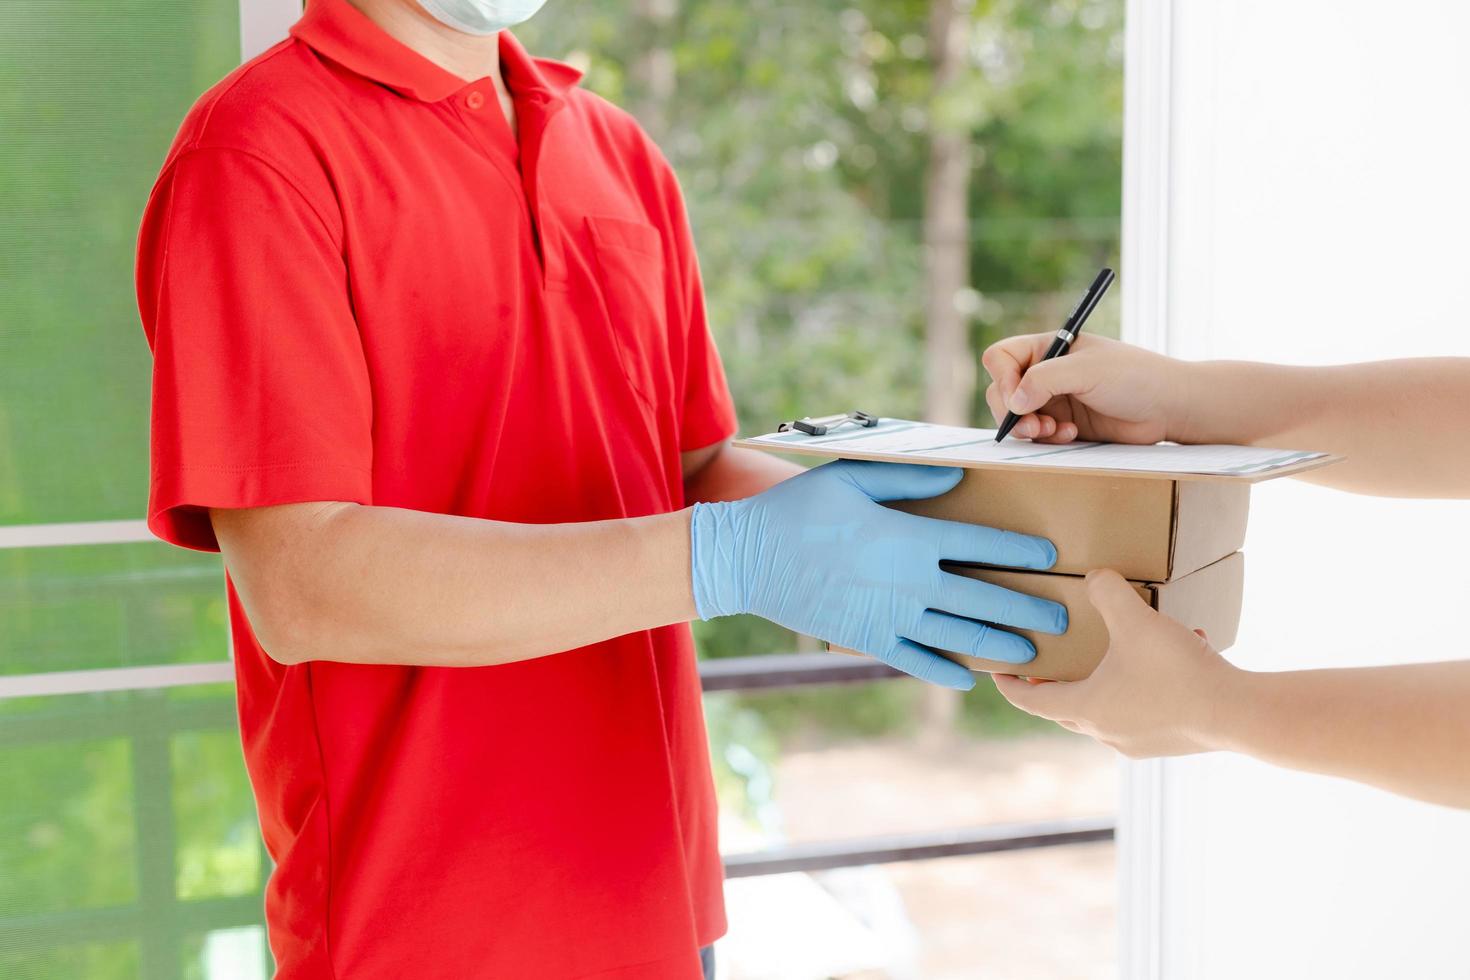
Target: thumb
[[899, 481], [1044, 381], [1122, 608]]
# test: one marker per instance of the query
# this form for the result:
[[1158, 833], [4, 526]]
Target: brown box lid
[[1148, 530]]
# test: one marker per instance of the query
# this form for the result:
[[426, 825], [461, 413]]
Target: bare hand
[[1101, 390], [1155, 692]]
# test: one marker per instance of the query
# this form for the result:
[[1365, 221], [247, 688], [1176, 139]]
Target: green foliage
[[105, 791], [218, 851], [109, 606], [67, 826], [88, 961], [90, 98], [984, 712], [799, 131]]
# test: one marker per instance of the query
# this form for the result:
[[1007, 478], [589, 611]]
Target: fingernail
[[1063, 619], [1020, 401], [1048, 553]]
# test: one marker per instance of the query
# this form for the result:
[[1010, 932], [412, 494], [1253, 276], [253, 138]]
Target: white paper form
[[956, 444]]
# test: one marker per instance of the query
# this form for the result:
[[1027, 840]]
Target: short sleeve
[[260, 385], [707, 412]]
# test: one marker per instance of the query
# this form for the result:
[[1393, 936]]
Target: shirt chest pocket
[[629, 265]]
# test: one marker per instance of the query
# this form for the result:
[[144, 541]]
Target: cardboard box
[[1208, 598], [1146, 529]]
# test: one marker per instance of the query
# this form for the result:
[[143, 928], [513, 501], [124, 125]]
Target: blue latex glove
[[819, 555]]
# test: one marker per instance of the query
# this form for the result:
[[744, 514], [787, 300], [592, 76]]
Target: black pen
[[1066, 335]]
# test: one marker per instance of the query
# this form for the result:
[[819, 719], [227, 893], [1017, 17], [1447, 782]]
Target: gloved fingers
[[899, 481], [989, 546], [973, 599], [937, 629], [926, 665]]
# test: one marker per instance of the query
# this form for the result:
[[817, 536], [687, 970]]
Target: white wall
[[1318, 201], [264, 22]]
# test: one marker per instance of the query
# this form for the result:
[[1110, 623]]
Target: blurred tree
[[950, 364], [802, 135], [950, 375], [862, 176], [651, 71], [805, 136]]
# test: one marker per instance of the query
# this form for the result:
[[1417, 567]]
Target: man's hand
[[1102, 390], [1155, 691], [818, 554]]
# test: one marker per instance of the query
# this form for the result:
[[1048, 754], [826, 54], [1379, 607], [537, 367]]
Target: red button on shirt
[[356, 291]]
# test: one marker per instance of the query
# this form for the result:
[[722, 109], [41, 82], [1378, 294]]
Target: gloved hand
[[819, 555]]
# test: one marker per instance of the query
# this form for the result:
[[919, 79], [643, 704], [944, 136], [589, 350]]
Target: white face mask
[[481, 16]]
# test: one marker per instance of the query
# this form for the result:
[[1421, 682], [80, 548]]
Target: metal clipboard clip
[[826, 423]]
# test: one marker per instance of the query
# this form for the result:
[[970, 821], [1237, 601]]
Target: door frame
[[1147, 155]]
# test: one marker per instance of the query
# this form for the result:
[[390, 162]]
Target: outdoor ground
[[1034, 915]]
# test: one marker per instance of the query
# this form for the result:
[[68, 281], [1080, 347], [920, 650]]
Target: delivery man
[[431, 368], [1404, 427]]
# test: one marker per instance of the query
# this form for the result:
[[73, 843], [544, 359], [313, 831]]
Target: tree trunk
[[652, 72], [949, 362]]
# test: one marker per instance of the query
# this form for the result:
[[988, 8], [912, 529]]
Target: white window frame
[[1147, 154]]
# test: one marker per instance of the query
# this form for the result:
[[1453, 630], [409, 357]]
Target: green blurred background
[[870, 183]]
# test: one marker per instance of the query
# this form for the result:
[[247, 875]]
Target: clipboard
[[905, 441]]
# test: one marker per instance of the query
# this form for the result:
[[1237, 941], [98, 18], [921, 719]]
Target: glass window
[[115, 605], [128, 843], [94, 961], [91, 94], [118, 807], [803, 137], [226, 954], [127, 817]]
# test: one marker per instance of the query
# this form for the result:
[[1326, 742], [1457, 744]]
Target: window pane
[[1047, 913], [109, 606], [227, 954], [67, 837], [92, 961], [822, 763], [219, 846], [838, 763], [127, 818], [91, 94]]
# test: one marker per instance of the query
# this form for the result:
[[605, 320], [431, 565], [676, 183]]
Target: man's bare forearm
[[734, 474], [1404, 426], [1403, 728], [359, 584]]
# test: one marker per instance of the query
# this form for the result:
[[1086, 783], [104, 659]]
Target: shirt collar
[[340, 32]]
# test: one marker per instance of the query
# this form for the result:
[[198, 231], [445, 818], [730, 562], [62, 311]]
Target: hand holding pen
[[1067, 335]]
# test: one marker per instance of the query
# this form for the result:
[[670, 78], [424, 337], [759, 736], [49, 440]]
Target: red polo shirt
[[358, 285]]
